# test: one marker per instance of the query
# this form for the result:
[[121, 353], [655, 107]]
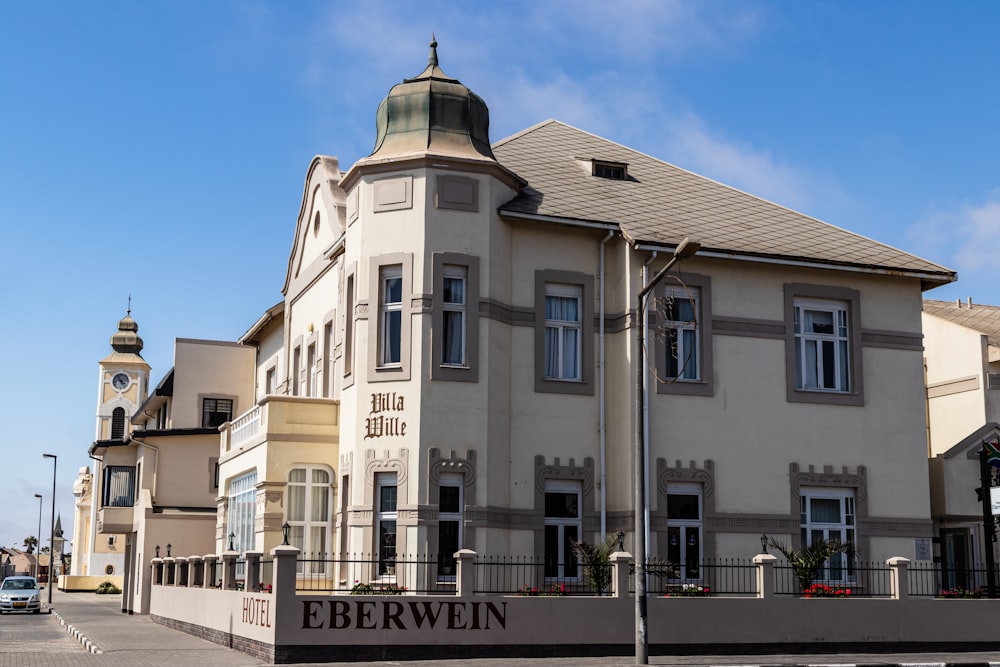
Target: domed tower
[[422, 231], [124, 380], [432, 113]]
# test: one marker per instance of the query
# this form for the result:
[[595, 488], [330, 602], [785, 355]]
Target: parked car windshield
[[19, 584]]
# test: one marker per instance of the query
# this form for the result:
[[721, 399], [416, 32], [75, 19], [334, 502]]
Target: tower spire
[[432, 60]]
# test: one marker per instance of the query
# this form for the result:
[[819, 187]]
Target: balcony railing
[[289, 416]]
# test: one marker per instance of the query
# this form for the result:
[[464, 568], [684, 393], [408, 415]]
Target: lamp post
[[38, 535], [52, 528], [684, 249]]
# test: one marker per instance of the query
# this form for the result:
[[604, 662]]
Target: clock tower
[[123, 383]]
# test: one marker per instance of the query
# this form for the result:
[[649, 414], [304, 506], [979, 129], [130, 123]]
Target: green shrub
[[107, 588]]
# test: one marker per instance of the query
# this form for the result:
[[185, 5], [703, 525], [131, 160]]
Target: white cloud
[[694, 146], [967, 234]]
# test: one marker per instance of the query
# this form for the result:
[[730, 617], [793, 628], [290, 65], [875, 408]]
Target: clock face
[[120, 381]]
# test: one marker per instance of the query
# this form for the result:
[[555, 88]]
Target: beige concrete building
[[962, 342], [457, 341], [160, 481], [453, 364]]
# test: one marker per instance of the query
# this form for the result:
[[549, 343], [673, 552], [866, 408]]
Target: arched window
[[310, 499], [118, 424]]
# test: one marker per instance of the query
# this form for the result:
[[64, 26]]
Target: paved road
[[86, 629]]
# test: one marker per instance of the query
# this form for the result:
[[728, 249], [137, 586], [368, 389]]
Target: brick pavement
[[87, 629]]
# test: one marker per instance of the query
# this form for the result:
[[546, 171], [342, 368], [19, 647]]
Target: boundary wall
[[283, 626]]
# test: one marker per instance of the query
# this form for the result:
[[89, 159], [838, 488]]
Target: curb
[[82, 638]]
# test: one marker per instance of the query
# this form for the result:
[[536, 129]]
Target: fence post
[[157, 565], [899, 578], [229, 570], [765, 574], [620, 561], [283, 575], [196, 572], [208, 577], [253, 581], [181, 563], [466, 575]]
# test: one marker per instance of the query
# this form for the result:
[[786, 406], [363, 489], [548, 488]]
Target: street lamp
[[38, 535], [684, 249], [52, 527]]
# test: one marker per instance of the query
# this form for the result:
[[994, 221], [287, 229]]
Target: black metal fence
[[529, 576]]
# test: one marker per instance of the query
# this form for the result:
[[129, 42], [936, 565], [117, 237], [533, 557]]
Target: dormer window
[[615, 171]]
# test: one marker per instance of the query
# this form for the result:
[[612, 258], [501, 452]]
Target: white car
[[20, 594]]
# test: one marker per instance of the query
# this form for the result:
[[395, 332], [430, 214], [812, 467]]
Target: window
[[455, 317], [616, 171], [311, 370], [562, 332], [385, 523], [562, 528], [242, 512], [679, 308], [823, 359], [328, 359], [453, 326], [308, 515], [829, 514], [389, 311], [269, 380], [684, 529], [118, 424], [390, 315], [349, 326], [119, 486], [216, 411], [296, 370], [449, 524], [821, 346]]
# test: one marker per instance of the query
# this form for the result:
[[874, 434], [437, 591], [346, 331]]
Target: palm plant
[[808, 561], [596, 561], [29, 542]]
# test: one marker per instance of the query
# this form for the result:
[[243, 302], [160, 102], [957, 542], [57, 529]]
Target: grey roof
[[984, 319], [661, 204]]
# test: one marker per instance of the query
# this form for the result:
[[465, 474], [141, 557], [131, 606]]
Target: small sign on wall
[[995, 500], [922, 548]]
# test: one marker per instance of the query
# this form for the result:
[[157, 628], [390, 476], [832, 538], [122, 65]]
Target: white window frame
[[556, 370], [685, 530], [242, 515], [385, 515], [328, 358], [460, 273], [387, 310], [454, 481], [844, 530], [688, 362], [839, 341], [301, 531], [311, 370], [565, 555], [296, 369]]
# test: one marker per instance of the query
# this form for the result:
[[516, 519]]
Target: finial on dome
[[432, 60], [129, 310]]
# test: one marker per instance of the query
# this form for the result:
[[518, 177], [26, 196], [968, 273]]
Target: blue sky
[[159, 149]]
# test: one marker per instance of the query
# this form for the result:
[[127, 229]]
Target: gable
[[321, 220]]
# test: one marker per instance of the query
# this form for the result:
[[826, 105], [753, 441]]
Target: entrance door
[[955, 561]]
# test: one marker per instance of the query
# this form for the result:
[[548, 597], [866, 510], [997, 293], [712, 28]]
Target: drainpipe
[[645, 406], [603, 423]]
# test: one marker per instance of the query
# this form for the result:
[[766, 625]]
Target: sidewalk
[[115, 638]]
